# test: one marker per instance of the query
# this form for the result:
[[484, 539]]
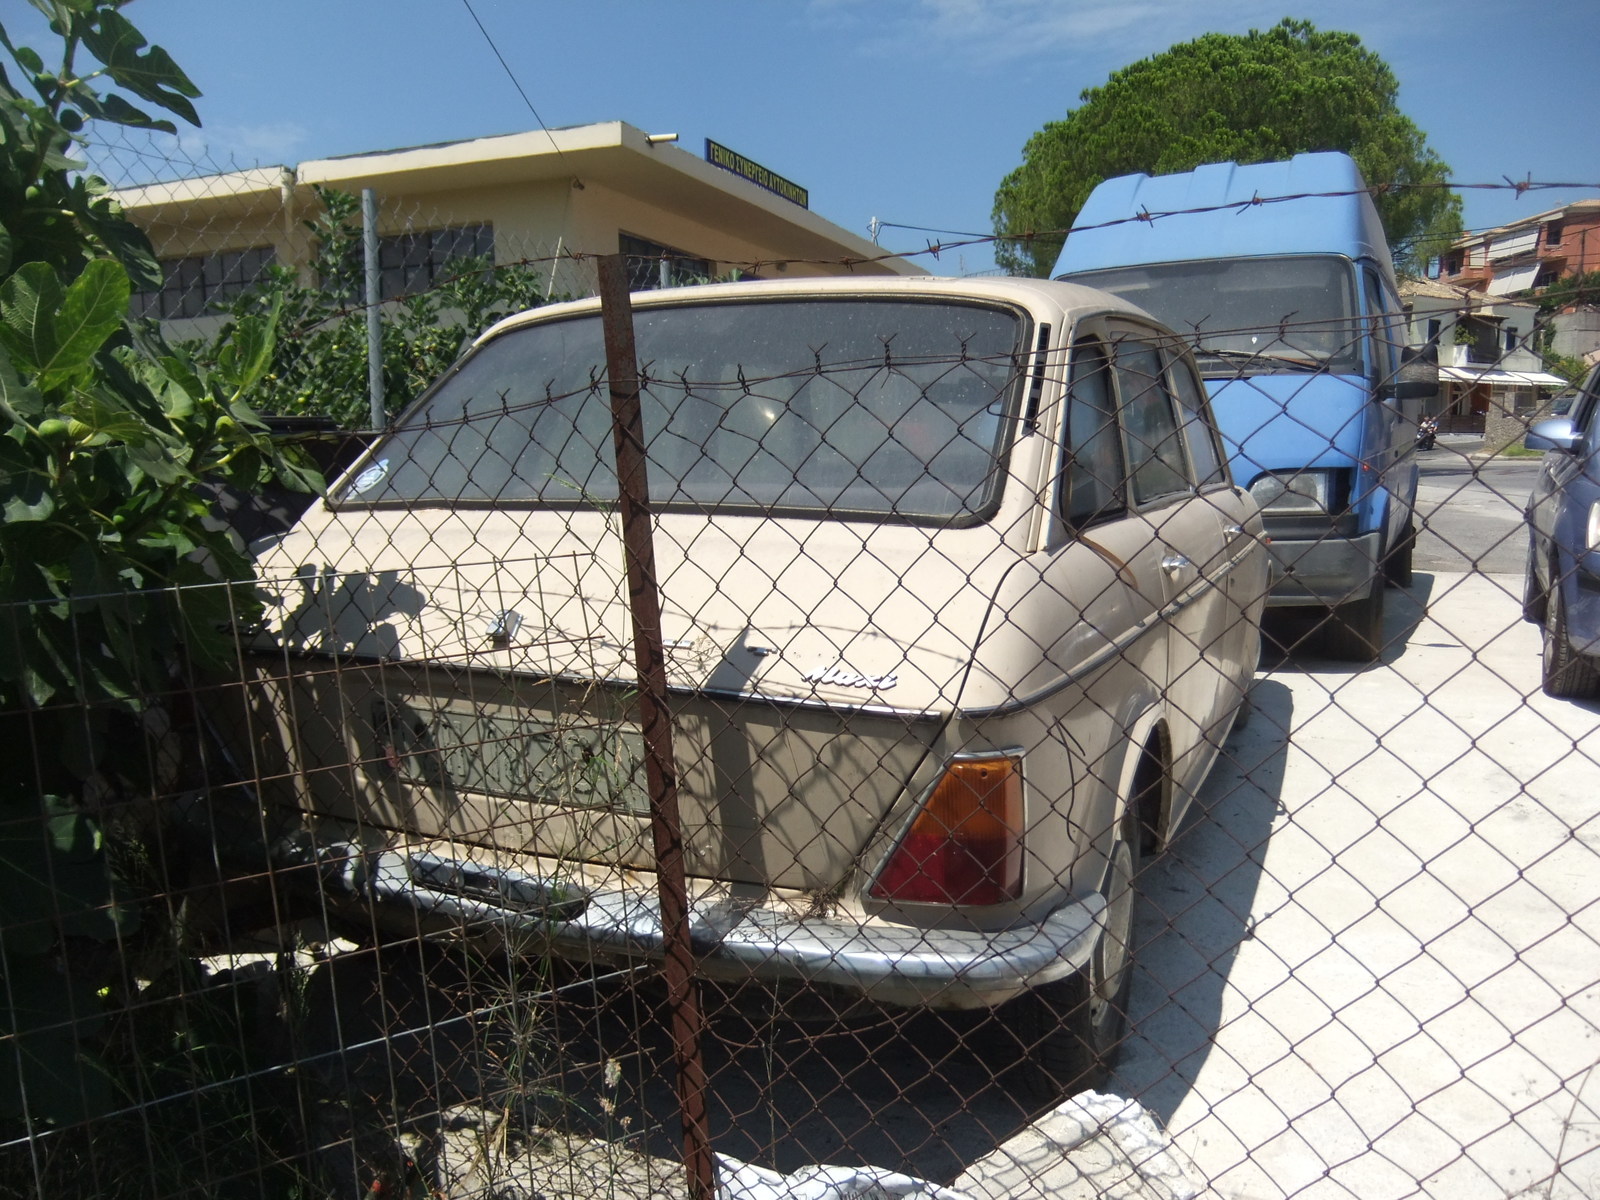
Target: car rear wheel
[[1568, 674], [1353, 632], [1069, 1029]]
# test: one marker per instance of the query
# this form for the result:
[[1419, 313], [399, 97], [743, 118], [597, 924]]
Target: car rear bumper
[[1324, 570], [732, 937]]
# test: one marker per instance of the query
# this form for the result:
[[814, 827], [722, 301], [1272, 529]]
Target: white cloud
[[249, 145], [987, 33], [991, 32], [1018, 28]]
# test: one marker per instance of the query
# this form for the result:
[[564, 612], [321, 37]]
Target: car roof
[[1068, 301]]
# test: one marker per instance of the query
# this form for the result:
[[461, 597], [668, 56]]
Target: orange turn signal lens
[[965, 846]]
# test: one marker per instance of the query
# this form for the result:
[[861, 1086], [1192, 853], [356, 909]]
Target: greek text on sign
[[729, 160]]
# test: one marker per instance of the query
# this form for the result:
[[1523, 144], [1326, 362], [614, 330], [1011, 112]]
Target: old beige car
[[959, 603]]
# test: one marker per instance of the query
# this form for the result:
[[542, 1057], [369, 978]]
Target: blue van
[[1281, 275]]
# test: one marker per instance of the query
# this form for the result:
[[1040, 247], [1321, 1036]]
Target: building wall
[[1580, 242], [1576, 334], [1502, 428], [548, 221]]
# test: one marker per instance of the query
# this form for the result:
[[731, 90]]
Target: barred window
[[203, 283], [652, 265], [410, 263]]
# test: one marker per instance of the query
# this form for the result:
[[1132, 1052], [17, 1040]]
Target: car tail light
[[965, 846]]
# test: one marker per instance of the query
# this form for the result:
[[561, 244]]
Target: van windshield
[[888, 408], [1292, 313]]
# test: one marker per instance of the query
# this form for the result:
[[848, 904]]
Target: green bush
[[320, 365], [114, 579]]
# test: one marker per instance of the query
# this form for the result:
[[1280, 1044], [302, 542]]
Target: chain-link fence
[[838, 724]]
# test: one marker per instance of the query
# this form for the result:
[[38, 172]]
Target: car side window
[[1157, 467], [1091, 486], [1205, 452]]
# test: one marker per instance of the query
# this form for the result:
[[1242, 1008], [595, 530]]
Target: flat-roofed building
[[553, 200]]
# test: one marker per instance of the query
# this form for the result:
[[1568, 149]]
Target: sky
[[907, 111]]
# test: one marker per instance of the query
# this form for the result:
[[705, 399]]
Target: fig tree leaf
[[29, 301], [92, 309], [146, 71]]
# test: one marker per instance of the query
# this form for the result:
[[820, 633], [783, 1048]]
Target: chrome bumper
[[734, 938]]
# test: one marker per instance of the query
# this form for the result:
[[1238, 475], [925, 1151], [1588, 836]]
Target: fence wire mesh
[[1002, 777]]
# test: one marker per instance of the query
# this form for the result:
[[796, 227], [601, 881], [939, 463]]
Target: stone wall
[[1503, 426]]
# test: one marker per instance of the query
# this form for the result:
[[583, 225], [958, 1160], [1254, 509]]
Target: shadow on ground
[[1294, 637], [1195, 907], [427, 1029]]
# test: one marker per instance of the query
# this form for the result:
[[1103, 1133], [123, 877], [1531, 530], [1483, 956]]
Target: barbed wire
[[965, 239]]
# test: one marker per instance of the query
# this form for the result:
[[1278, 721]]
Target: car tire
[[1397, 564], [1568, 674], [1068, 1030], [1353, 631], [1533, 596], [1246, 710]]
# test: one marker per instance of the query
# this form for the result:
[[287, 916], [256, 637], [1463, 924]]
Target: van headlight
[[1593, 534], [1294, 492]]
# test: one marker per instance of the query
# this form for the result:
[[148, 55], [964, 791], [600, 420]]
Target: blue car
[[1562, 594]]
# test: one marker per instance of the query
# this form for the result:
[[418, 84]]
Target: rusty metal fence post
[[655, 719]]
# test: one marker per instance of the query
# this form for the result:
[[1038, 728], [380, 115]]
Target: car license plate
[[578, 761]]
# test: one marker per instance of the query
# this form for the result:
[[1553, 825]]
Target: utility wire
[[511, 75], [930, 229]]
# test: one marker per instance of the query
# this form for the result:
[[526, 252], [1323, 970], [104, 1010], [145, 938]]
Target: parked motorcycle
[[1427, 433]]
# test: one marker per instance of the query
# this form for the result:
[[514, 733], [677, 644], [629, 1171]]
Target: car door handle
[[1233, 531], [1173, 563]]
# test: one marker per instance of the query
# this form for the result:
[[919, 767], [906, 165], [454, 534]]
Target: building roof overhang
[[1504, 378], [612, 154]]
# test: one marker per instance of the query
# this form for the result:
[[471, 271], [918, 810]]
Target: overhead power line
[[511, 75]]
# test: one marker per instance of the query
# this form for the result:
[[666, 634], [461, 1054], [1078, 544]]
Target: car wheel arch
[[1146, 781]]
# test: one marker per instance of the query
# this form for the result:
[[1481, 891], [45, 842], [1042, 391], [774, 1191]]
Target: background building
[[553, 200], [1528, 259], [1528, 255], [1491, 379]]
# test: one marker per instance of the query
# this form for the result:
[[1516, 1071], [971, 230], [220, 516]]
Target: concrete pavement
[[1372, 966]]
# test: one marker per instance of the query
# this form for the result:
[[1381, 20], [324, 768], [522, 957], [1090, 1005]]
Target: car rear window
[[887, 408]]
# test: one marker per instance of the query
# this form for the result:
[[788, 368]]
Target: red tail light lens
[[965, 846]]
